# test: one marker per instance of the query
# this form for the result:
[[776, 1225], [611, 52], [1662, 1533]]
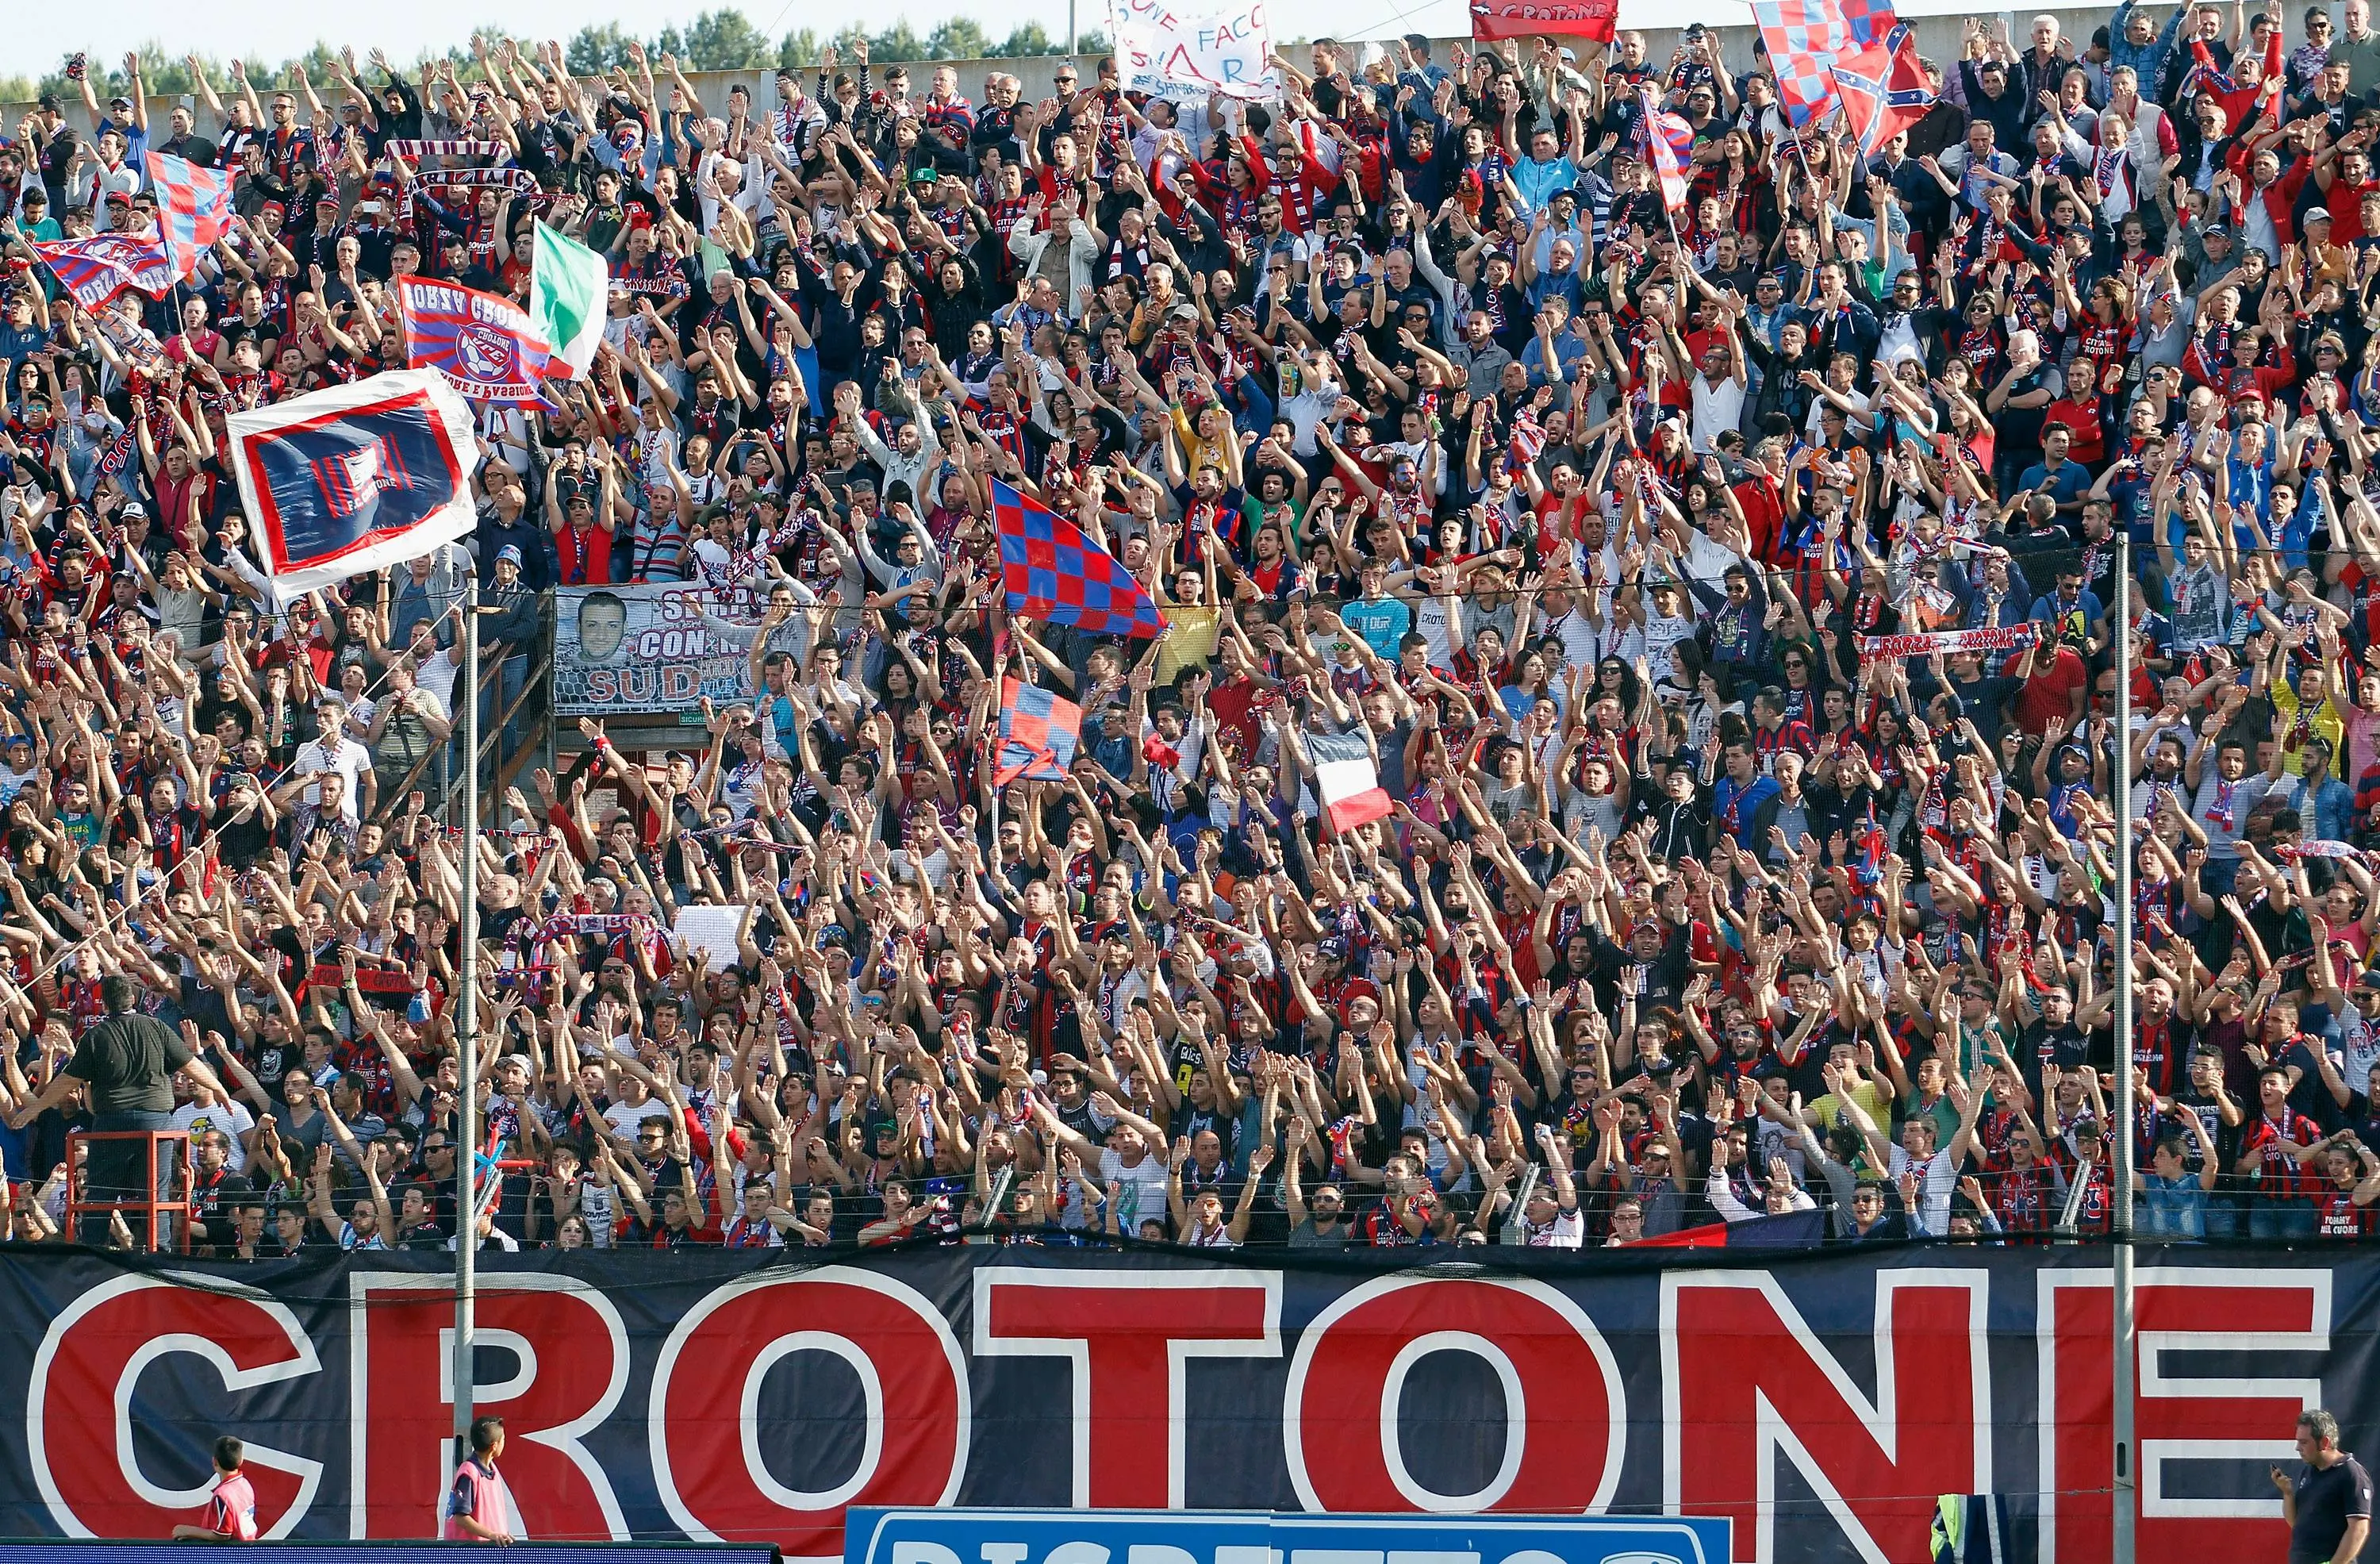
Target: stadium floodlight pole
[[2121, 1145], [467, 1037], [1071, 39]]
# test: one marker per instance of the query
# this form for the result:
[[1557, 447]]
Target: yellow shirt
[[1198, 453], [1192, 634], [1875, 1103], [2297, 725]]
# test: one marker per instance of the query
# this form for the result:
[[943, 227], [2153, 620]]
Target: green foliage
[[720, 40], [723, 39], [594, 49], [899, 41], [800, 50], [1026, 42], [961, 38]]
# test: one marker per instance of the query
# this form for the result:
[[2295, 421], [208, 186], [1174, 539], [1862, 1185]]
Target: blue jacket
[[2147, 60]]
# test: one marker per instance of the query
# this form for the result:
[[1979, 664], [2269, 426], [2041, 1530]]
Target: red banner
[[1595, 20]]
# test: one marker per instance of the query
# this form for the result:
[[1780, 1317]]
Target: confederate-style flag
[[1883, 88]]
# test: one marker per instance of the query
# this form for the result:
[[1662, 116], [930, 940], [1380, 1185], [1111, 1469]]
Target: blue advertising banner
[[1193, 1536], [1825, 1404]]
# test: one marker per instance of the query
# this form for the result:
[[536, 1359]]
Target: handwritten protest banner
[[1163, 46]]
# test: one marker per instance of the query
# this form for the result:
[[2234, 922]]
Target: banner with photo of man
[[657, 647]]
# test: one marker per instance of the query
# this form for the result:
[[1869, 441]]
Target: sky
[[41, 34]]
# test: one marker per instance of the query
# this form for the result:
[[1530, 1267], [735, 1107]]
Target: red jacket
[[2280, 197]]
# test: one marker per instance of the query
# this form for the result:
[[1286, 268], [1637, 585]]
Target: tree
[[595, 49], [961, 38], [800, 50], [1026, 42], [899, 41], [720, 40]]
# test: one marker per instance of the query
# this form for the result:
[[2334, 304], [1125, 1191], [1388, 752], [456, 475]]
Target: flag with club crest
[[484, 346], [1882, 87], [1669, 142], [193, 208], [95, 270], [1039, 734], [356, 477], [1802, 38], [1052, 571]]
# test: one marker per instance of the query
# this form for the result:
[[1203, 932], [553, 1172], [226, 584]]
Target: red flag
[[1595, 20], [1883, 88], [1672, 143]]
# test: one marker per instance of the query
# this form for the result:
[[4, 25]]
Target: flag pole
[[467, 1039], [2123, 1148]]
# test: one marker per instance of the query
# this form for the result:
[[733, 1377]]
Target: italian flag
[[1349, 783], [568, 288]]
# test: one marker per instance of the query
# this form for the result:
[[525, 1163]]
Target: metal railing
[[170, 1199]]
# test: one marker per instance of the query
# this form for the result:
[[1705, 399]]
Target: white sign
[[1164, 47], [712, 929]]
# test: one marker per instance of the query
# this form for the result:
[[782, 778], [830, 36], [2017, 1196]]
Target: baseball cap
[[135, 508]]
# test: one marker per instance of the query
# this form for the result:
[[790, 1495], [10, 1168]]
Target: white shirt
[[1139, 1192], [1567, 1230], [1937, 1178], [233, 1118], [626, 1117], [337, 753], [1717, 409]]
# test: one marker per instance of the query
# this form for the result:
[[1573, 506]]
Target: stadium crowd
[[1701, 897]]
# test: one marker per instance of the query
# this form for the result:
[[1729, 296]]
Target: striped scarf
[[518, 180], [417, 150]]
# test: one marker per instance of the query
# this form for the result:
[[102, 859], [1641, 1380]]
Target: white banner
[[1165, 46]]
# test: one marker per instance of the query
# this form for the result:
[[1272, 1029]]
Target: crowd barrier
[[1823, 1403]]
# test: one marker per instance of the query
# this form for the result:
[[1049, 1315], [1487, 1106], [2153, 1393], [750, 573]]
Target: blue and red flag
[[193, 208], [1883, 88], [486, 346], [1789, 1229], [1669, 142], [1039, 734], [95, 270], [1866, 21], [1802, 37], [357, 477], [1052, 571]]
